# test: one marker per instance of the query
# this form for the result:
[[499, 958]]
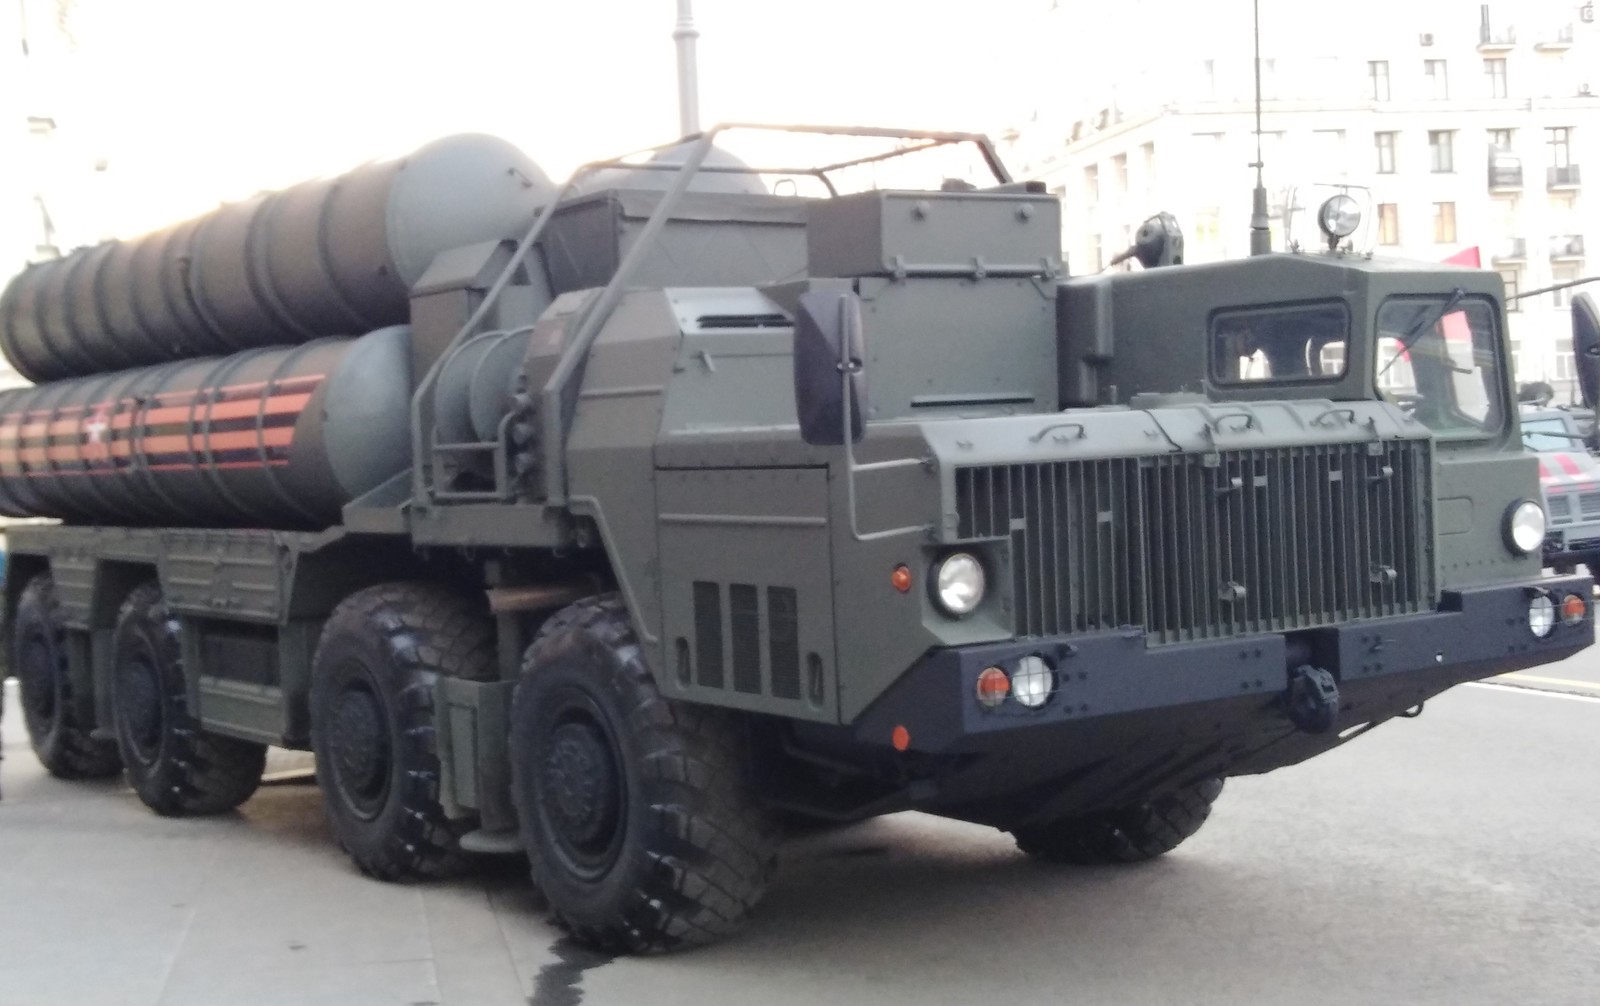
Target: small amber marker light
[[900, 738], [901, 578], [993, 687], [1573, 609]]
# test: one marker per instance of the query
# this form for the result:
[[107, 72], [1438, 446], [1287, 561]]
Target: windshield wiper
[[1428, 321]]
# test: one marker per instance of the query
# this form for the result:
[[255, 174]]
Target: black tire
[[175, 767], [50, 706], [1130, 835], [372, 722], [637, 812]]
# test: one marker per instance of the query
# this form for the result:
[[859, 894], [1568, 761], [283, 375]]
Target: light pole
[[1260, 229], [684, 34]]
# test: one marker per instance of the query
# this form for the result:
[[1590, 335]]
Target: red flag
[[1466, 256]]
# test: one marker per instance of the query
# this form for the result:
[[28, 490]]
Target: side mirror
[[1586, 347], [829, 382]]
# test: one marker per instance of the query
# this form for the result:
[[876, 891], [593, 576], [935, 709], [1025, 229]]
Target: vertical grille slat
[[1191, 546]]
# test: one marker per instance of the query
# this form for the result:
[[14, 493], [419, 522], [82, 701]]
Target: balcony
[[1566, 247], [1496, 39], [1509, 250], [1555, 40], [1566, 177], [1505, 171]]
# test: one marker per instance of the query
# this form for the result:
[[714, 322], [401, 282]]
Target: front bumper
[[1572, 545], [1227, 691]]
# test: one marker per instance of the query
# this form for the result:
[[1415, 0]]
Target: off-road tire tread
[[75, 754], [718, 846], [211, 774], [1133, 834], [429, 632]]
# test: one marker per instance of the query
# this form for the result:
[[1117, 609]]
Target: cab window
[[1286, 343]]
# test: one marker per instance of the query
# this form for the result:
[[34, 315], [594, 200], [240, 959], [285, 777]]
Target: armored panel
[[754, 629], [233, 574], [994, 340], [711, 240], [946, 233]]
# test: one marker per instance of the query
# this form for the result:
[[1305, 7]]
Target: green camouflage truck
[[659, 509]]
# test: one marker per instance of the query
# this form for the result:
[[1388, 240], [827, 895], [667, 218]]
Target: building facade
[[1458, 125]]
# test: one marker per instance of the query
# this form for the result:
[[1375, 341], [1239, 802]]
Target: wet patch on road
[[560, 983]]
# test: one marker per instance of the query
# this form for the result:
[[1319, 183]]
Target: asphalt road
[[1448, 859]]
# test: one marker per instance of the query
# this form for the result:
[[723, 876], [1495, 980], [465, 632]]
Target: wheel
[[50, 707], [1130, 835], [636, 812], [175, 767], [372, 727]]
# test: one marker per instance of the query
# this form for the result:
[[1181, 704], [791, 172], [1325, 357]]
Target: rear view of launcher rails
[[620, 523]]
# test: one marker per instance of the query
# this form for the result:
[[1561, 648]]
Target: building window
[[1558, 143], [1495, 71], [1500, 139], [1513, 281], [1385, 146], [1438, 78], [1378, 80], [1097, 255], [1444, 223], [1442, 150], [1091, 184], [1119, 173], [1388, 224], [1565, 371], [1208, 80], [1516, 359], [1269, 79], [1562, 272], [1147, 166]]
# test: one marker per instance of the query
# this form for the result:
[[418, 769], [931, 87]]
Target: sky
[[190, 102]]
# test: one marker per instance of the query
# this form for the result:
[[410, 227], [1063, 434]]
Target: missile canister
[[325, 257], [264, 438]]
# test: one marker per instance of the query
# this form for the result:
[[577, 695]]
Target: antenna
[[684, 34], [1260, 229]]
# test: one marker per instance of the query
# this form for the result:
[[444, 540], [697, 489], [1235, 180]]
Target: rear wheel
[[372, 722], [1128, 835], [175, 767], [51, 707], [636, 812]]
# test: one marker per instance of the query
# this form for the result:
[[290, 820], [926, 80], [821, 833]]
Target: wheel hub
[[360, 745], [581, 786]]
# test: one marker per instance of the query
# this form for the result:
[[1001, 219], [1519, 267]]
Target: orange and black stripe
[[236, 426]]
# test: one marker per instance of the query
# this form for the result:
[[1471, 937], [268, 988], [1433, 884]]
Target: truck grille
[[1203, 546]]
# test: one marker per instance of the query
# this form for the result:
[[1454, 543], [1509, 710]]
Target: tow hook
[[1313, 699]]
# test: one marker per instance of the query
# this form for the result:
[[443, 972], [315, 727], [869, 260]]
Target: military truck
[[661, 508]]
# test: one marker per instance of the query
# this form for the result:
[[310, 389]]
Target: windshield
[[1439, 359], [1548, 435]]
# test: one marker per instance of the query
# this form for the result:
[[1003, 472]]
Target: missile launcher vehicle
[[621, 523]]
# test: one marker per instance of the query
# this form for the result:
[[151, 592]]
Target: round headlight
[[1541, 616], [1339, 216], [1525, 527], [958, 583], [1033, 681]]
